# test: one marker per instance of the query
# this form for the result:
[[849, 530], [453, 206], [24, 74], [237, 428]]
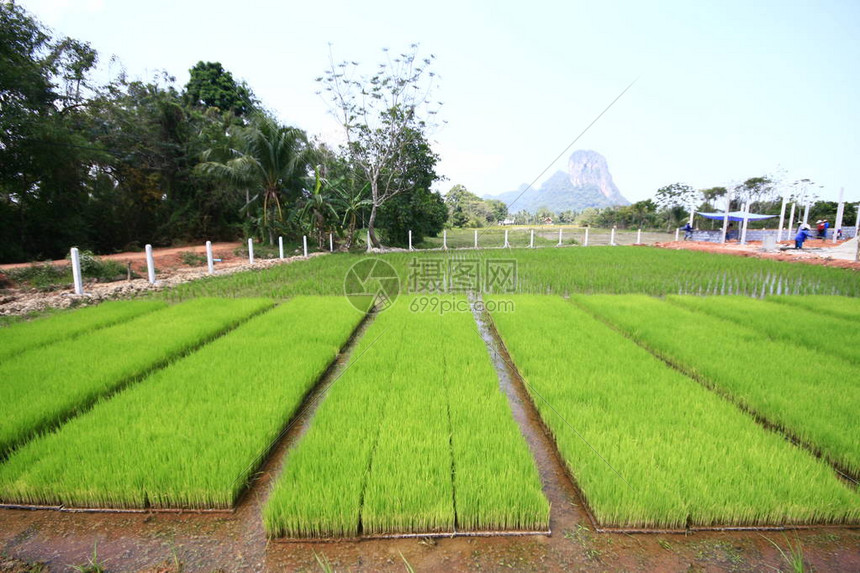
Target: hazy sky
[[726, 90]]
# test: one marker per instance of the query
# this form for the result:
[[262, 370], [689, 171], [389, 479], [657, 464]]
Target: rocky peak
[[588, 168]]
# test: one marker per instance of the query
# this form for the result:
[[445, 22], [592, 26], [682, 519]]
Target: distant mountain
[[587, 183]]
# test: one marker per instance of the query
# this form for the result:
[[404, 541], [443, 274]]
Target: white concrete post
[[560, 237], [857, 223], [791, 222], [506, 239], [532, 240], [639, 237], [209, 262], [251, 251], [726, 217], [612, 236], [692, 214], [745, 223], [305, 245], [677, 233], [410, 241], [445, 239], [840, 212], [476, 238], [585, 241], [806, 214], [281, 247], [76, 271], [331, 242], [369, 246], [781, 219], [150, 265]]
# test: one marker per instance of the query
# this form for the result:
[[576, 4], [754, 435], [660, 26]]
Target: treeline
[[671, 204], [112, 167]]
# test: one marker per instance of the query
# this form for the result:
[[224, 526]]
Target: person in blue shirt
[[801, 236], [688, 231]]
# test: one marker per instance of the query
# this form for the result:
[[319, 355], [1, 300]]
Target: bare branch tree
[[382, 114]]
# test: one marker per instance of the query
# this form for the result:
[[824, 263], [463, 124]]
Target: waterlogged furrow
[[25, 336], [782, 382], [45, 386], [192, 434], [796, 325], [650, 447], [415, 437]]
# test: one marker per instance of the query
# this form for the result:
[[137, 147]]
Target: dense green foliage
[[560, 271], [811, 395], [415, 436], [466, 209], [25, 336], [192, 434], [827, 334], [647, 445], [115, 166], [44, 386]]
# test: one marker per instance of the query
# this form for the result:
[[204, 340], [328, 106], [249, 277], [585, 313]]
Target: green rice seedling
[[414, 437], [797, 325], [648, 446], [838, 306], [613, 270], [192, 434], [45, 386], [41, 332], [781, 382]]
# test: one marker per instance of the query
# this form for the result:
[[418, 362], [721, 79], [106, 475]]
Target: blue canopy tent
[[736, 216]]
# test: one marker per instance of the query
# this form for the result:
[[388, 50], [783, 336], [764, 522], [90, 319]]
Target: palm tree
[[318, 209], [265, 159], [352, 203]]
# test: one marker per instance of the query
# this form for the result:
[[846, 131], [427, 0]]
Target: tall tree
[[382, 113], [210, 85], [269, 162]]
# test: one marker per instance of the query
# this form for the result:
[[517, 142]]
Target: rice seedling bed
[[24, 336], [795, 325], [615, 270], [780, 382], [414, 438], [648, 446], [192, 434], [838, 306], [43, 387]]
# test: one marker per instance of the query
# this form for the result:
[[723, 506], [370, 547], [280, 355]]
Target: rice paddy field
[[564, 271], [664, 390], [415, 437], [652, 447], [191, 434], [811, 395]]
